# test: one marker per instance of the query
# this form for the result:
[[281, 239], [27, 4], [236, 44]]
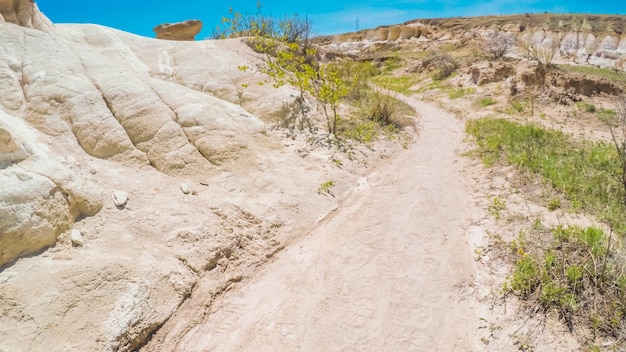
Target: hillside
[[597, 40]]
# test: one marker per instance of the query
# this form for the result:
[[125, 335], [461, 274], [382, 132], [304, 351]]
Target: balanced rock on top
[[185, 30]]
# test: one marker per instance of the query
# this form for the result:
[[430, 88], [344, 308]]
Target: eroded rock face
[[91, 95], [33, 212], [23, 13], [11, 151], [583, 46], [491, 72], [186, 30], [39, 197]]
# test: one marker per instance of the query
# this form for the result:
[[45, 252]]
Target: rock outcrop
[[491, 72], [23, 13], [86, 110], [593, 40], [186, 30], [40, 198]]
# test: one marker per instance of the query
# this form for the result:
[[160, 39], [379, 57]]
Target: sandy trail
[[382, 273]]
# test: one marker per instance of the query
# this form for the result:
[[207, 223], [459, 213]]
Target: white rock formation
[[80, 91], [86, 109]]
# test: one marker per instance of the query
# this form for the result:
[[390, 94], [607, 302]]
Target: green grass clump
[[377, 113], [364, 132], [612, 75], [607, 114], [586, 173], [460, 92], [579, 274], [391, 64], [400, 84], [485, 102], [587, 107]]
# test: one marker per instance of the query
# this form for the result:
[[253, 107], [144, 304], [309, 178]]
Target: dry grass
[[554, 22]]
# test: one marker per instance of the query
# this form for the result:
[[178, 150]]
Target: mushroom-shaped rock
[[185, 30]]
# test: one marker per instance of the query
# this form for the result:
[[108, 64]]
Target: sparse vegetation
[[485, 102], [326, 188], [290, 29], [617, 125], [496, 45], [460, 92], [400, 84], [445, 66], [579, 274], [496, 207], [543, 55], [606, 73], [587, 174], [587, 107], [516, 107]]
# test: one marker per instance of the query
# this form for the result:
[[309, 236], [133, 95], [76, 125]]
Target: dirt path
[[383, 273]]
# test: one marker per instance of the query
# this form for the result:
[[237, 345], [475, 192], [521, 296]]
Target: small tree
[[291, 29], [617, 126], [329, 91], [496, 45], [543, 55]]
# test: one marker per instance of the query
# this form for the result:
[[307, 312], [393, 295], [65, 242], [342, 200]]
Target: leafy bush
[[357, 75]]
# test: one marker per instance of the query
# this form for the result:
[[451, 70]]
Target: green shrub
[[526, 277]]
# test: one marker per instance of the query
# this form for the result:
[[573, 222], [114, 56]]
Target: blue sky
[[328, 16]]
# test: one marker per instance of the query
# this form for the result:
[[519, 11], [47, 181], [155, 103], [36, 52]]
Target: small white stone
[[185, 188], [77, 238], [120, 198]]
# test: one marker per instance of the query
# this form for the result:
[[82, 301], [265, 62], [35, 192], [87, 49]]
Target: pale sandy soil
[[384, 272]]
